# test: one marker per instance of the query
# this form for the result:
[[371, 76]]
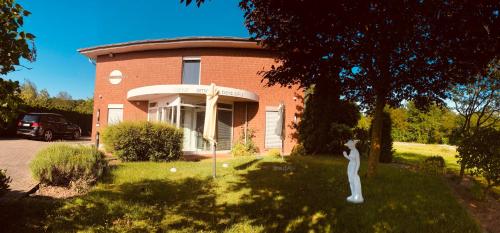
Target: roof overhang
[[178, 43], [147, 93]]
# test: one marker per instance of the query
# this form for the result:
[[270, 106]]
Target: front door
[[200, 123], [188, 127]]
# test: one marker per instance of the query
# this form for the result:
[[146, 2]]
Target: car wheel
[[48, 135], [76, 135]]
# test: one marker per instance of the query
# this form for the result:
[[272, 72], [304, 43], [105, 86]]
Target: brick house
[[166, 80]]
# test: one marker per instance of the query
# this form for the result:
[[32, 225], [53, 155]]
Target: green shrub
[[480, 153], [4, 181], [274, 153], [142, 141], [323, 128], [60, 164], [298, 150], [245, 148], [434, 165]]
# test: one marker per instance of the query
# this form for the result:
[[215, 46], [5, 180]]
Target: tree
[[386, 150], [29, 93], [9, 102], [482, 153], [43, 98], [64, 95], [14, 42], [478, 104], [383, 52], [85, 106], [14, 45], [327, 121]]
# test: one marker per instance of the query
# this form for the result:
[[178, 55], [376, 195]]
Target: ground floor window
[[115, 114], [272, 140]]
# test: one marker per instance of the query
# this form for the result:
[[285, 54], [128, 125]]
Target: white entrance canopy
[[147, 93]]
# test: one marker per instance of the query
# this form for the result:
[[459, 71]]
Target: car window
[[51, 119], [30, 118], [61, 120]]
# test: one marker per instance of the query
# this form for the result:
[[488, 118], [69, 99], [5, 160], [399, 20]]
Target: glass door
[[187, 124], [200, 123]]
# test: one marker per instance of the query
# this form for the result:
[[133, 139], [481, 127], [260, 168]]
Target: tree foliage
[[434, 125], [327, 121], [478, 102], [15, 43], [383, 52], [9, 102], [478, 105], [62, 101], [480, 153]]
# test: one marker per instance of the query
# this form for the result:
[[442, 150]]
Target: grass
[[252, 195], [415, 153]]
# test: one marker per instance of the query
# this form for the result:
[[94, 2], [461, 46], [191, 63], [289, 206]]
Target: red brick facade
[[227, 67]]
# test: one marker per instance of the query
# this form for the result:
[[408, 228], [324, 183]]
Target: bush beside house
[[143, 141], [244, 147], [60, 164]]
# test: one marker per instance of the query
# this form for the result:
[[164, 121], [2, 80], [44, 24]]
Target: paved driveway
[[15, 156]]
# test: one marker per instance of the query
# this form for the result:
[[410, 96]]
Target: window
[[98, 115], [224, 129], [191, 72], [152, 114], [273, 140], [115, 113], [61, 120]]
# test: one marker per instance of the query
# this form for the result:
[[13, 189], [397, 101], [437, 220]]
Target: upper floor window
[[191, 71]]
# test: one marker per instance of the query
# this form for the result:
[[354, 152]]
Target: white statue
[[352, 172]]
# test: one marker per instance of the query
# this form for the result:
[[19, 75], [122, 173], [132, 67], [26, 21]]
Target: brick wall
[[236, 68]]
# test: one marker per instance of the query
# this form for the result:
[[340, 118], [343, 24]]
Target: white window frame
[[191, 58], [269, 109], [114, 106]]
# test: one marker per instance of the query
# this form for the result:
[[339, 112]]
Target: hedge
[[143, 140]]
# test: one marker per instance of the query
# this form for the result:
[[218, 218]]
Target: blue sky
[[62, 27]]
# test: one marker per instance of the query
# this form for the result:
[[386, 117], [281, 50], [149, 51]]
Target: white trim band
[[115, 105], [156, 91]]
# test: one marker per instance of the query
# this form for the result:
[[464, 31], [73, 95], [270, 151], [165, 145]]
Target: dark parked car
[[47, 126]]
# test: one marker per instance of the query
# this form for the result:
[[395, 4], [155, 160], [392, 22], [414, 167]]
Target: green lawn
[[303, 194], [414, 153]]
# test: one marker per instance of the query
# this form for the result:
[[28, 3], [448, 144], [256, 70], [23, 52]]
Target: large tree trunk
[[462, 172], [376, 136]]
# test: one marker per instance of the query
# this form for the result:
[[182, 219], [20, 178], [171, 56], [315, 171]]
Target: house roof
[[175, 43]]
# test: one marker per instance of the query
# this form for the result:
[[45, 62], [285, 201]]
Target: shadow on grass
[[299, 195], [246, 165]]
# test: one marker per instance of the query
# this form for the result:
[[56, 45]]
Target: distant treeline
[[75, 111], [439, 124]]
